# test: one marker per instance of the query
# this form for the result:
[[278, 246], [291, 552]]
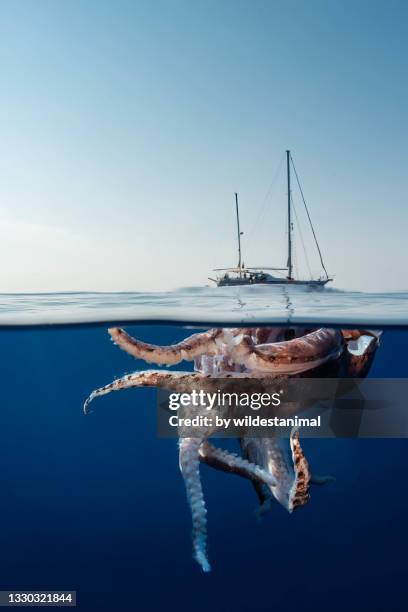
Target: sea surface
[[96, 503], [209, 305]]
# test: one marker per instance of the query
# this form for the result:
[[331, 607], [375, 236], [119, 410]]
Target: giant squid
[[277, 467]]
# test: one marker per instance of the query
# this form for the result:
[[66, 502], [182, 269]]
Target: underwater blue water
[[97, 504]]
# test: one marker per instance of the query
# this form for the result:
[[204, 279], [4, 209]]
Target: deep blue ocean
[[97, 504]]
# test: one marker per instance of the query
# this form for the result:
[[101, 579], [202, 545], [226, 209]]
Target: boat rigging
[[242, 275]]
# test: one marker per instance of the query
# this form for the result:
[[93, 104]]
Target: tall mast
[[289, 219], [239, 234]]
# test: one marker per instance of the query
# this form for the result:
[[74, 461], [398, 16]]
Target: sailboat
[[242, 275]]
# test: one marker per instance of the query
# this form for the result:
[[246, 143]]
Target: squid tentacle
[[189, 466], [290, 356], [174, 381], [299, 493], [183, 382], [187, 350], [232, 463]]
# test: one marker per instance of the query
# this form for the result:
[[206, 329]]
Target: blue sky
[[126, 127]]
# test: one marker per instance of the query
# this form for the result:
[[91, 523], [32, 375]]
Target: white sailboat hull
[[233, 282]]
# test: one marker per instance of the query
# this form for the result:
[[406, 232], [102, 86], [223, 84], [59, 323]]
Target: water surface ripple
[[246, 306]]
